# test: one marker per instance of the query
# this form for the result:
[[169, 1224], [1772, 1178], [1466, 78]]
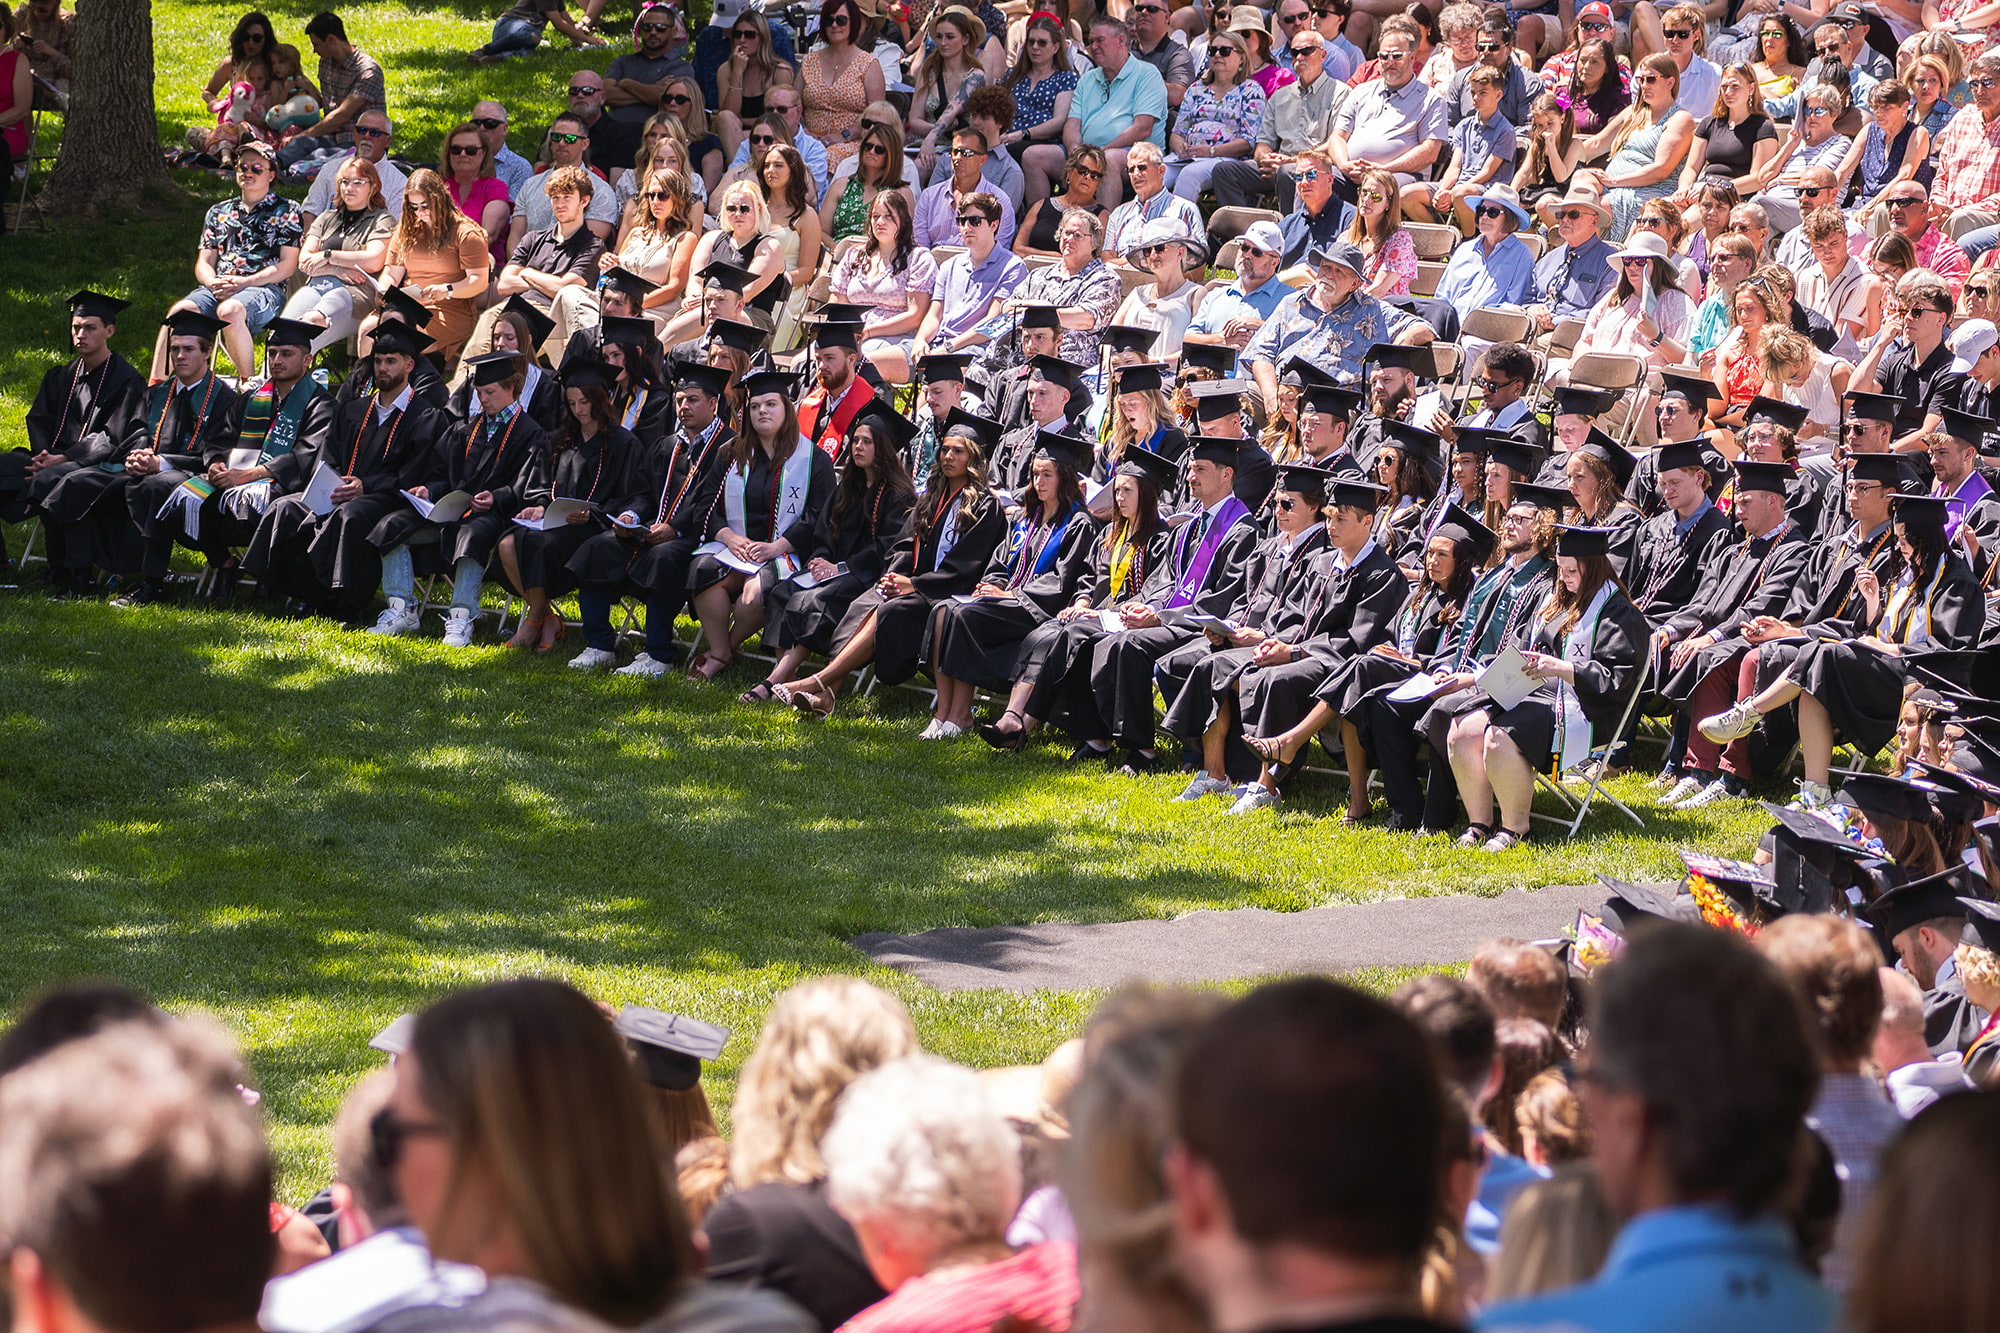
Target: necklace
[[75, 374], [194, 432]]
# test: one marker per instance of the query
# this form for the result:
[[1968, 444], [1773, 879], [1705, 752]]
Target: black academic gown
[[1420, 628], [512, 463], [651, 416], [981, 641], [1353, 609], [1058, 648], [603, 472], [540, 391], [197, 426], [425, 383], [1951, 1020], [1618, 648], [759, 514], [89, 417], [1256, 474], [862, 537], [229, 518], [1666, 569], [1013, 458], [389, 455], [902, 623], [678, 482], [1744, 579]]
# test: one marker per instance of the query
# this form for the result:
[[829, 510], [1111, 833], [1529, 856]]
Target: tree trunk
[[110, 159]]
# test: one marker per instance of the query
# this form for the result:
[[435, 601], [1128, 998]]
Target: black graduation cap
[[1614, 455], [1138, 378], [394, 336], [1395, 354], [398, 301], [1055, 370], [587, 372], [1554, 498], [1524, 459], [1698, 391], [96, 305], [395, 1039], [1886, 469], [1573, 400], [1958, 797], [1982, 924], [1480, 440], [887, 423], [1303, 373], [1065, 450], [1931, 898], [1356, 494], [1927, 510], [943, 367], [540, 326], [1126, 338], [290, 333], [1411, 440], [628, 332], [983, 429], [1577, 543], [1141, 462], [745, 338], [843, 312], [1631, 906], [625, 280], [670, 1047], [1334, 400], [1218, 357], [1217, 400], [1878, 794], [711, 380], [1459, 525], [838, 335], [493, 367], [1806, 828], [1973, 430], [730, 277], [1304, 480], [1682, 453], [1872, 406], [1776, 411], [194, 324], [1772, 477], [1212, 449], [763, 382], [1041, 317]]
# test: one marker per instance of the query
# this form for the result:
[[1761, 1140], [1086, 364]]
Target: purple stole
[[1196, 572]]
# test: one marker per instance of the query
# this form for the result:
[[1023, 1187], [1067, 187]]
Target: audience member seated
[[352, 83], [849, 208], [1482, 149], [943, 79], [519, 29], [1647, 143], [938, 207], [971, 286], [1219, 118], [752, 71], [468, 171], [1493, 267], [1117, 106], [1042, 82], [345, 248], [837, 81]]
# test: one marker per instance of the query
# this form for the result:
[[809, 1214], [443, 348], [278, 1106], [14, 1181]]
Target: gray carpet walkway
[[1217, 946]]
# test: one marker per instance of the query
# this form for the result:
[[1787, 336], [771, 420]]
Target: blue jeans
[[260, 304], [596, 604], [303, 146], [1977, 243], [511, 37]]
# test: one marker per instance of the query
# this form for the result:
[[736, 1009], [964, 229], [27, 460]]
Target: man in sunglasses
[[939, 206], [372, 136], [1907, 208], [1518, 88], [1321, 217], [508, 165], [1819, 192], [1814, 143], [1913, 365], [1572, 277], [1343, 57], [352, 83], [1296, 117], [1153, 42], [569, 142], [1231, 317], [1683, 33], [1394, 122], [635, 82], [613, 142], [971, 286]]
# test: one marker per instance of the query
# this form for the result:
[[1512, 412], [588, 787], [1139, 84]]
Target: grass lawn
[[308, 832]]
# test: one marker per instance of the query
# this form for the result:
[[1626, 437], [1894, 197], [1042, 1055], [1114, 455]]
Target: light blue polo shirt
[[1105, 112], [1232, 302]]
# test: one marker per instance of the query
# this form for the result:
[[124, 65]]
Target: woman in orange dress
[[442, 255], [840, 79]]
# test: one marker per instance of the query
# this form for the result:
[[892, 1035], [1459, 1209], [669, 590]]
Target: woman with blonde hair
[[1556, 1234], [1139, 416], [684, 100], [1647, 143], [752, 70], [745, 241], [441, 254], [1931, 81], [776, 1229], [1378, 229], [1738, 367], [662, 146]]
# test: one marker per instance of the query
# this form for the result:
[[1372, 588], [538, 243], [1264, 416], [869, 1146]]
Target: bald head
[[1899, 1041]]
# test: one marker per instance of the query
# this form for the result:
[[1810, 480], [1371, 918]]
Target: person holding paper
[[499, 458], [1458, 546], [976, 639], [648, 550], [1195, 679], [1584, 644], [1130, 547], [189, 422], [377, 447], [849, 548], [596, 461], [954, 527], [774, 484]]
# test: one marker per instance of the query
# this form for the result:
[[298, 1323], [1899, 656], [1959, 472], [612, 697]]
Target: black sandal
[[1475, 835], [760, 693], [1004, 738]]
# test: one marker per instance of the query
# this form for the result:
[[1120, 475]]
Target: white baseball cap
[[1265, 236], [1969, 341]]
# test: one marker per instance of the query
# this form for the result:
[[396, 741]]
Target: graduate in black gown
[[1410, 466], [1850, 674], [1452, 557], [849, 548], [428, 386], [1132, 544], [188, 423], [596, 461], [642, 397], [772, 485], [1031, 576], [1054, 402], [1595, 474], [1585, 643], [378, 445], [520, 329], [1677, 542], [500, 458], [1195, 678], [953, 530], [649, 552], [79, 428]]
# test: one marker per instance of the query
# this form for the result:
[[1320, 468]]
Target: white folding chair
[[1593, 766]]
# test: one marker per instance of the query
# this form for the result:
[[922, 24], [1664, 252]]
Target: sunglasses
[[1148, 9], [388, 1132], [1310, 174], [565, 138], [1596, 25], [968, 152], [1319, 13], [1245, 248], [1223, 51], [1287, 503], [974, 220], [1301, 52], [739, 208], [1815, 112], [252, 169], [1488, 48], [364, 132], [656, 196], [489, 123], [1572, 214], [1392, 56], [1807, 191], [467, 149], [665, 27], [1487, 384], [867, 149], [583, 89], [1293, 20], [1982, 84], [1778, 33], [1088, 173], [744, 35], [1979, 290], [1492, 211], [763, 138], [1636, 261], [837, 21], [1676, 34], [678, 99]]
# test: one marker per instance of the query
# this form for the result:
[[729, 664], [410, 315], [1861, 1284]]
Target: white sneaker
[[1731, 724], [645, 664], [398, 618], [949, 731], [592, 659], [1681, 790], [1203, 785], [1717, 790], [458, 628], [1255, 797]]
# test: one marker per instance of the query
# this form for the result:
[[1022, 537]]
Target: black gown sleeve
[[968, 555], [1228, 575]]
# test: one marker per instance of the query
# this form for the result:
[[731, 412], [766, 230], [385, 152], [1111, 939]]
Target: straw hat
[[1584, 197], [968, 19], [1250, 19]]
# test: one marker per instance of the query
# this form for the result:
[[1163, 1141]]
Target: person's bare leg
[[1285, 746], [730, 130], [856, 653], [1647, 38], [1512, 781], [747, 615], [1041, 167], [1467, 746], [1815, 739], [364, 337], [891, 364], [1214, 743], [1358, 804], [787, 665], [236, 337], [1017, 709], [1112, 192], [711, 608]]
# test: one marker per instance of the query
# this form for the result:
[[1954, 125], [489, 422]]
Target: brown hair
[[1459, 1023], [1519, 979], [485, 153], [682, 1116], [1831, 963], [1923, 1257], [1549, 1109], [412, 232], [701, 1174], [355, 1162], [1526, 1047], [1564, 608]]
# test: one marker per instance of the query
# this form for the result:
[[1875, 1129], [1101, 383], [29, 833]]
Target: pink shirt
[[473, 204], [862, 282], [1037, 1288]]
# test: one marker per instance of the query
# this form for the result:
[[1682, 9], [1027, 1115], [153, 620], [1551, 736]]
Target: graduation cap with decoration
[[1732, 895], [1815, 860], [1959, 798], [1137, 461], [88, 304], [669, 1048]]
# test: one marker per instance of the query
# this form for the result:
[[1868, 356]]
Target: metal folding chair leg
[[1593, 764]]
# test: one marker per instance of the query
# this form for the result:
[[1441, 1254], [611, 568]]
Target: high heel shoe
[[549, 641], [1004, 738], [529, 634]]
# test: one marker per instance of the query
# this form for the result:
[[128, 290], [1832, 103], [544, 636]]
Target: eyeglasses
[[1572, 214], [974, 220], [655, 196], [367, 132], [1492, 211], [388, 1132], [763, 138], [1676, 34], [678, 99], [565, 138], [968, 152], [467, 149], [1642, 80], [739, 208], [346, 181]]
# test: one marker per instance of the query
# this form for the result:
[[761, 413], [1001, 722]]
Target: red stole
[[831, 435]]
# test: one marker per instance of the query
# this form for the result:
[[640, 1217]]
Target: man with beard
[[1231, 316], [79, 428], [841, 393], [1392, 396]]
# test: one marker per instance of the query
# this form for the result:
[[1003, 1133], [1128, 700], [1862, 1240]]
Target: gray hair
[[1825, 94], [1120, 26], [916, 1144], [1986, 64]]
